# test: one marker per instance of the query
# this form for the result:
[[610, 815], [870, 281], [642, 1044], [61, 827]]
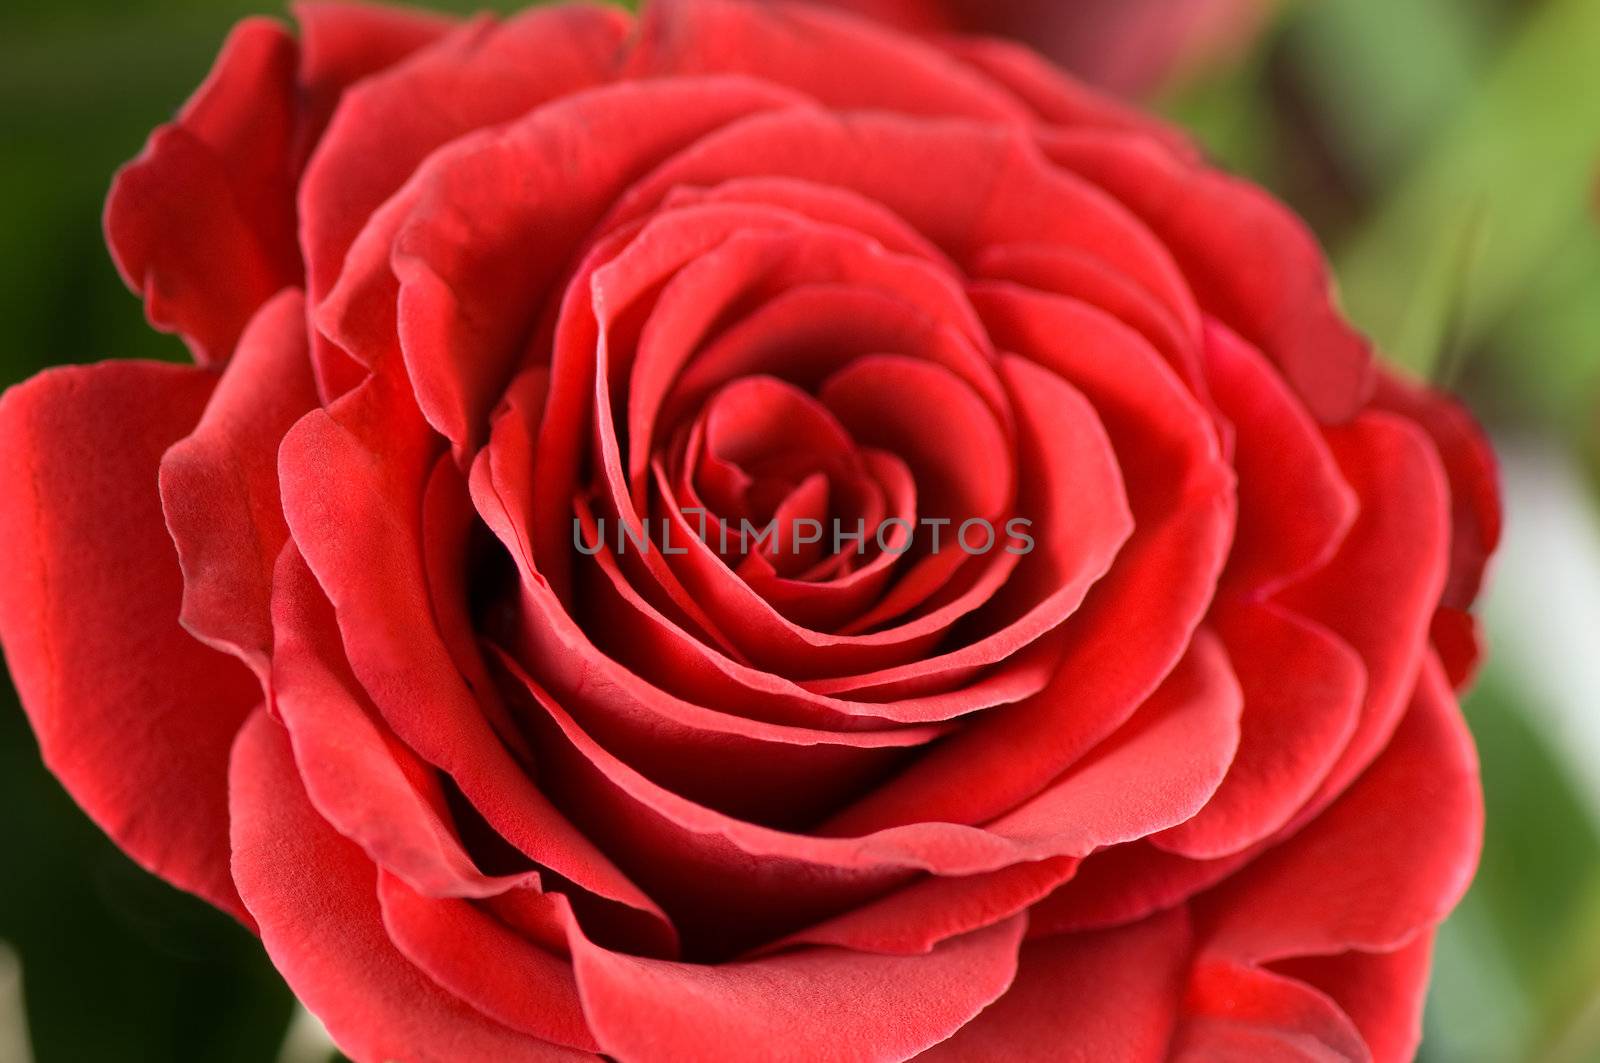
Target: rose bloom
[[1127, 46], [304, 626]]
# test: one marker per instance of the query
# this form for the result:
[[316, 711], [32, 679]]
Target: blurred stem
[[14, 1046]]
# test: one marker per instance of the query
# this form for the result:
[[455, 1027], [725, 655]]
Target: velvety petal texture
[[735, 532], [133, 714]]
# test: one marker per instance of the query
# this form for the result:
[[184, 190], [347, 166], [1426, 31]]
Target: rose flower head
[[738, 534]]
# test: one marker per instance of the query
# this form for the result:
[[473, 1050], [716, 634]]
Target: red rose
[[1130, 46], [314, 628]]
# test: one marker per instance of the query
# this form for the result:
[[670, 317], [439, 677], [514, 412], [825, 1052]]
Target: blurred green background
[[1446, 151]]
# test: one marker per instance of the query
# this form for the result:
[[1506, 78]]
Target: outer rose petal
[[133, 715], [844, 63], [353, 478], [1302, 694], [508, 976], [1474, 480], [201, 223], [368, 786], [1295, 507], [875, 1007], [219, 487], [1085, 998], [1383, 993], [315, 896], [1380, 591], [1236, 1013], [480, 75], [1253, 265], [1390, 858], [343, 42]]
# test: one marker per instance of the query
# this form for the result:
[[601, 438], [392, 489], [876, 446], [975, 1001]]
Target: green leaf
[[1521, 156]]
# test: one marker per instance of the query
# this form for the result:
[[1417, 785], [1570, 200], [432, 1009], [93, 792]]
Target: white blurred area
[[1543, 605], [306, 1041], [13, 1018]]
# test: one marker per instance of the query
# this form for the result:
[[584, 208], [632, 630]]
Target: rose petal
[[995, 187], [201, 224], [1474, 480], [1302, 697], [486, 963], [343, 42], [1295, 507], [881, 1007], [1137, 620], [133, 715], [1235, 1011], [1124, 884], [479, 75], [219, 487], [1253, 264], [1382, 992], [1058, 98], [738, 883], [315, 897], [368, 786], [913, 920], [1380, 591], [1107, 997], [1389, 858], [353, 481]]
